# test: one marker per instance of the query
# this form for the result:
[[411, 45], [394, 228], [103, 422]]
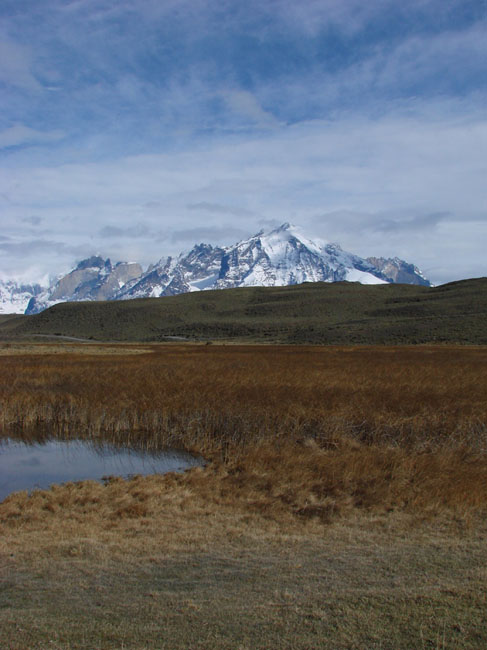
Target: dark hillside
[[5, 317], [321, 313]]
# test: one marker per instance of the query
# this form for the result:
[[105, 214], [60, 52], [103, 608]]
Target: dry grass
[[15, 348], [235, 395], [153, 563], [343, 507], [311, 431]]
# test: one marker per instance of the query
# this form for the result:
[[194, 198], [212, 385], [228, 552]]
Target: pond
[[29, 466]]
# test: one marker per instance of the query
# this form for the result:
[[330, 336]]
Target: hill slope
[[321, 313]]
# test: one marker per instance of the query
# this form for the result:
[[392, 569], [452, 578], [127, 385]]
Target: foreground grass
[[343, 505], [201, 574]]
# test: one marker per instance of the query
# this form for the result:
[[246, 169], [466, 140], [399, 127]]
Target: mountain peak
[[278, 257], [285, 226], [95, 261]]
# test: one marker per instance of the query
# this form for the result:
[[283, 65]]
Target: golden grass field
[[343, 504]]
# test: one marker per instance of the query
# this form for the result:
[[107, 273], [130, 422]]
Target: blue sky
[[136, 129]]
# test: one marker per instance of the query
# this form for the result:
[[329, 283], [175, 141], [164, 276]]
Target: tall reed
[[221, 397], [309, 429]]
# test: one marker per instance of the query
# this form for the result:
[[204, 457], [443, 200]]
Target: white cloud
[[139, 230], [217, 208], [314, 15], [154, 135], [209, 235], [245, 104], [397, 178], [19, 134]]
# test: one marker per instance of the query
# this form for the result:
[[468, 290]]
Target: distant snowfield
[[203, 283], [364, 278], [14, 297]]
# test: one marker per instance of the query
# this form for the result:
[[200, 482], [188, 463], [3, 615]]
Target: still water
[[27, 467]]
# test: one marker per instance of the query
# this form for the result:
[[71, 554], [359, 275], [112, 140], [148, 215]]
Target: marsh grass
[[343, 504], [311, 431]]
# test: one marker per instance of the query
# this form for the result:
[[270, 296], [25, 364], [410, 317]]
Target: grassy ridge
[[316, 313]]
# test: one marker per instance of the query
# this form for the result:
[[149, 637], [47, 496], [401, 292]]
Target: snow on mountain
[[281, 257], [93, 279], [285, 256], [15, 296], [193, 271]]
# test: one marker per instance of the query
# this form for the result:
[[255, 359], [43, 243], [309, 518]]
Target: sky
[[135, 129]]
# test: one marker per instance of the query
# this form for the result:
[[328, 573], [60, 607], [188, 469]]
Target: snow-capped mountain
[[93, 279], [194, 271], [286, 256], [281, 257], [15, 296]]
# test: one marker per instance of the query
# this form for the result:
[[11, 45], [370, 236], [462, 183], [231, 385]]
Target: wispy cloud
[[23, 135], [245, 104], [113, 232], [128, 129], [420, 222], [217, 208], [212, 235], [32, 220]]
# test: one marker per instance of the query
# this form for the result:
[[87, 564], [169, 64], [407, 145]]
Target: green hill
[[322, 313]]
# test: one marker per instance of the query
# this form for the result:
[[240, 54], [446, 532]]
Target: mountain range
[[283, 256]]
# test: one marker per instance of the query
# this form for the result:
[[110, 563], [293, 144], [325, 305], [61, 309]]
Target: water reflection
[[29, 466]]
